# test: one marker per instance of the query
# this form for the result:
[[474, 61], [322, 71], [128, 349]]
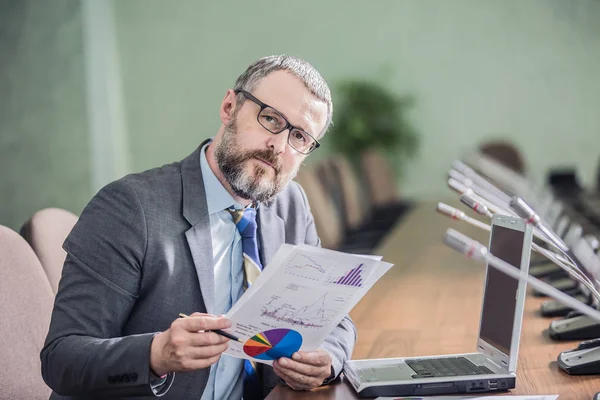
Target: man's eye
[[300, 136], [270, 121]]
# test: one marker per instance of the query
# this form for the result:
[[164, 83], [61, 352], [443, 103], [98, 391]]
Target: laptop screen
[[500, 296]]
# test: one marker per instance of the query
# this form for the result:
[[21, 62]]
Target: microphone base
[[553, 308], [580, 362], [581, 327], [546, 270], [566, 285]]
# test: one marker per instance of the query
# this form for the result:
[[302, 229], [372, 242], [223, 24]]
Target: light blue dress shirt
[[226, 376]]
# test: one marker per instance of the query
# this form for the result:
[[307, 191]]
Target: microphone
[[541, 231], [566, 262], [457, 186], [480, 185], [461, 189], [511, 181], [593, 242], [476, 251], [450, 211], [472, 249], [477, 200], [454, 174], [523, 210], [467, 199], [456, 214], [469, 173]]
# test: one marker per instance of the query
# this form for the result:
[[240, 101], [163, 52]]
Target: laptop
[[493, 366]]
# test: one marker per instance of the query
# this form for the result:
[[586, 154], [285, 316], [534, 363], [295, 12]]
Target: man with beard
[[152, 245]]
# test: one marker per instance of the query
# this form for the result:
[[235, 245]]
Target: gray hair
[[311, 78]]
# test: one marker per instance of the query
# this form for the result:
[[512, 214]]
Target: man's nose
[[278, 142]]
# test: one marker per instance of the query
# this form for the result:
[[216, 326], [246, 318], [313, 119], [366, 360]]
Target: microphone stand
[[550, 307], [522, 210], [456, 214], [476, 251], [585, 359], [576, 327]]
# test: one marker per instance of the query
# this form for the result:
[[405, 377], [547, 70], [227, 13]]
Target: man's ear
[[228, 106]]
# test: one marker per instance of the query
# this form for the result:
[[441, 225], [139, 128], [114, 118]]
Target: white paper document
[[299, 298], [534, 397]]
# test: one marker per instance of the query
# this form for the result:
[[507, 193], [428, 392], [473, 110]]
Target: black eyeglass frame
[[289, 126]]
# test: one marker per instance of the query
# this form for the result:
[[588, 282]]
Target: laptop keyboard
[[449, 366]]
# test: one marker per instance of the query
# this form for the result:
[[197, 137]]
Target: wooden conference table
[[430, 302]]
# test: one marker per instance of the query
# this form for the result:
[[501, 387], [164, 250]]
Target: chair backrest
[[506, 153], [379, 178], [353, 210], [328, 177], [46, 232], [327, 221], [598, 177], [25, 308]]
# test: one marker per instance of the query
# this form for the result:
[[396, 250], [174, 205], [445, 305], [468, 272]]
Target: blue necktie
[[245, 221]]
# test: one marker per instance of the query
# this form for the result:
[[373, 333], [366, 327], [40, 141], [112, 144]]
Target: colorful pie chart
[[272, 344]]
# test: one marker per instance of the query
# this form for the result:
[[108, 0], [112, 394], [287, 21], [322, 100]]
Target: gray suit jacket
[[140, 254]]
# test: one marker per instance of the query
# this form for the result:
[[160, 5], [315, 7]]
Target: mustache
[[266, 155]]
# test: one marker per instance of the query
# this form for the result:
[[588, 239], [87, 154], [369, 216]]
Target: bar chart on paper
[[352, 278]]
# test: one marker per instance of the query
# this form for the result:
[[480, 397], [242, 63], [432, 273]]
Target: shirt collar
[[217, 197]]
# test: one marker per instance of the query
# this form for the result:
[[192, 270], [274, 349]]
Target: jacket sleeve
[[85, 352]]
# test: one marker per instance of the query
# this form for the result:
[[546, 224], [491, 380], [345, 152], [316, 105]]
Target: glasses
[[272, 120]]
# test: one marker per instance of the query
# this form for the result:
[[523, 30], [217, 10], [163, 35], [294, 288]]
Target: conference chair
[[327, 177], [379, 179], [386, 206], [361, 223], [585, 202], [46, 231], [591, 198], [330, 226], [506, 153], [346, 198], [25, 307], [327, 222]]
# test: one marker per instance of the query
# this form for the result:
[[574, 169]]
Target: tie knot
[[245, 221]]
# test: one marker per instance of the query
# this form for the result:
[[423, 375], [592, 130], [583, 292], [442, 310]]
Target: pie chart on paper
[[272, 344]]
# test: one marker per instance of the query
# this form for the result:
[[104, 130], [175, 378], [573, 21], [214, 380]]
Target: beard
[[256, 186]]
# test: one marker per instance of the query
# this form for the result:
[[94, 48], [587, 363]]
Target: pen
[[217, 331]]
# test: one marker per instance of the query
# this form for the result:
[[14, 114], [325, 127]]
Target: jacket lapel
[[195, 210], [271, 230]]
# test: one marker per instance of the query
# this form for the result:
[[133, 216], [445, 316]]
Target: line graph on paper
[[304, 266], [299, 312]]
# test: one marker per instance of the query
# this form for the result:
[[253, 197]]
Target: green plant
[[368, 115]]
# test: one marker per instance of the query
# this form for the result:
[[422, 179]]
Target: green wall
[[524, 70], [43, 125]]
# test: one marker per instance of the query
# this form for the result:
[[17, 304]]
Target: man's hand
[[185, 347], [306, 370]]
